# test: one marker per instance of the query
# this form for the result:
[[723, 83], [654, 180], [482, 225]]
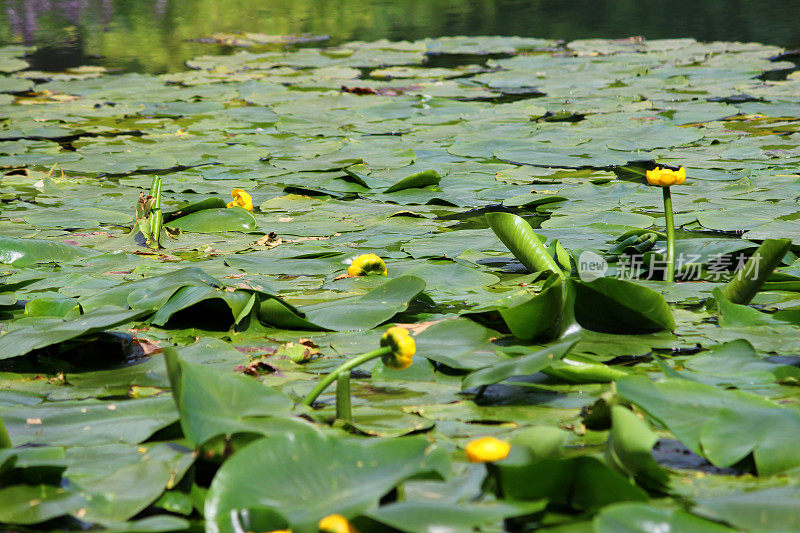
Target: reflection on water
[[153, 35]]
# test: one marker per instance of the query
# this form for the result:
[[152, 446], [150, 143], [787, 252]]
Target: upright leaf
[[749, 280], [523, 242], [611, 305]]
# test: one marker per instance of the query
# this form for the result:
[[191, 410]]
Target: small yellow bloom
[[366, 264], [664, 177], [486, 450], [336, 523], [403, 348], [241, 199]]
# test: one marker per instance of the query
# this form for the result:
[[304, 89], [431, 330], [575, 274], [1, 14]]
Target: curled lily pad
[[208, 203], [538, 317], [420, 179], [523, 242], [46, 332], [354, 312], [613, 305], [742, 288]]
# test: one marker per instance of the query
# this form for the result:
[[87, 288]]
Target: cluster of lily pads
[[390, 325]]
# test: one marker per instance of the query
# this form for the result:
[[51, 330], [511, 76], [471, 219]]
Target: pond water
[[154, 35]]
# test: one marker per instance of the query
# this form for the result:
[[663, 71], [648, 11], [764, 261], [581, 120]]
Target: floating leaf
[[213, 403], [304, 476], [422, 517], [356, 312], [519, 366], [724, 426], [29, 252], [643, 517], [216, 220], [46, 332], [582, 482]]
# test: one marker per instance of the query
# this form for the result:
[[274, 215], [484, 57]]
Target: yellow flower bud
[[241, 199], [486, 450], [335, 523], [664, 177], [403, 348], [366, 264]]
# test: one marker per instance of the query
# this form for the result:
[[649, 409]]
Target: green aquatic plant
[[396, 352], [149, 218], [664, 178], [164, 390]]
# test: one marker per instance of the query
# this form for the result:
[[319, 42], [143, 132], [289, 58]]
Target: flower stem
[[343, 408], [670, 274], [344, 367]]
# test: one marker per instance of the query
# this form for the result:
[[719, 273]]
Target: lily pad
[[304, 476]]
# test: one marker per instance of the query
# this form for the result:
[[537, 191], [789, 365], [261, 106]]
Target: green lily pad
[[304, 476], [216, 220], [613, 305]]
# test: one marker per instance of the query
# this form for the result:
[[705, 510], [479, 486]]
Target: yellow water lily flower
[[486, 450], [241, 199], [403, 348], [335, 523], [366, 264], [664, 177]]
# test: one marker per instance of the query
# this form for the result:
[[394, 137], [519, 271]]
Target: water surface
[[154, 35]]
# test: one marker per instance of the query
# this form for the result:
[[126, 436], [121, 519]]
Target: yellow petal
[[486, 450], [366, 264], [403, 348], [653, 176], [241, 199], [335, 523], [681, 175]]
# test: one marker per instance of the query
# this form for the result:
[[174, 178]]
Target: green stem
[[352, 363], [343, 409], [157, 195], [156, 215], [53, 169], [5, 440], [670, 275]]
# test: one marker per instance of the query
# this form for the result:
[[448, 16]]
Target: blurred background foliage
[[153, 35]]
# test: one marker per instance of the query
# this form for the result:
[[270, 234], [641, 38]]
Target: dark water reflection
[[152, 35]]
